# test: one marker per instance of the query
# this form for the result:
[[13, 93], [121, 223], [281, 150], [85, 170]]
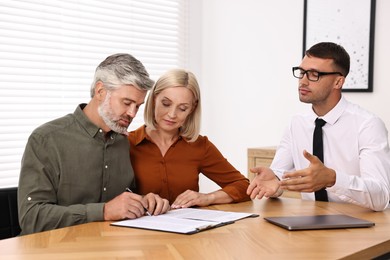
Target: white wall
[[243, 62]]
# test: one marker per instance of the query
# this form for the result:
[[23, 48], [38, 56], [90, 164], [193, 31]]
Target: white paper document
[[185, 221]]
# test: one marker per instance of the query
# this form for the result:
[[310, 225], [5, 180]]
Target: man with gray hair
[[76, 169]]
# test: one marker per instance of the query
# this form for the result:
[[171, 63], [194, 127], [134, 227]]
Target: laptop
[[319, 222]]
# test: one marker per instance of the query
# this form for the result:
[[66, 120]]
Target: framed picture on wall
[[350, 23]]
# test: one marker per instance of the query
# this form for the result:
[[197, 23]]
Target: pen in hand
[[147, 212]]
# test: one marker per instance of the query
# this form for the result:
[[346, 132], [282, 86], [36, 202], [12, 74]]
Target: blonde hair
[[177, 78]]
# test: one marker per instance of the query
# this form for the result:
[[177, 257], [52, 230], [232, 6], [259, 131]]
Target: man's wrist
[[333, 178]]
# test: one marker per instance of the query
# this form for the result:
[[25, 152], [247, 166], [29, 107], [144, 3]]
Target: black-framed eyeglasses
[[311, 75]]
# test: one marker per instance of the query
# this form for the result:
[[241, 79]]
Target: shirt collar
[[84, 121], [140, 135], [333, 115]]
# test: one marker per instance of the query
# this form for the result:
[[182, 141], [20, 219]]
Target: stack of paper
[[185, 221]]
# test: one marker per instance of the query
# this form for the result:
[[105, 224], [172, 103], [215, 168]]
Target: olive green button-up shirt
[[69, 170]]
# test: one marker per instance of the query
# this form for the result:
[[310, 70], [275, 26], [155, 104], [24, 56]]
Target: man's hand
[[310, 179], [265, 184], [124, 206], [129, 205]]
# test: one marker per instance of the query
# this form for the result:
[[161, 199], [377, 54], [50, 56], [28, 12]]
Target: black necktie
[[318, 150]]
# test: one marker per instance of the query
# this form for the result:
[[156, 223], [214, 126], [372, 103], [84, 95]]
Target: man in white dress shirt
[[356, 167]]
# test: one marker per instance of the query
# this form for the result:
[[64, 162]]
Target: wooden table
[[251, 238]]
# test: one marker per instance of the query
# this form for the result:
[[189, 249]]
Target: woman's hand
[[191, 198]]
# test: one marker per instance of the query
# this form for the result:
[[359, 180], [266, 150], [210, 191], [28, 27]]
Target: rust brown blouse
[[179, 169]]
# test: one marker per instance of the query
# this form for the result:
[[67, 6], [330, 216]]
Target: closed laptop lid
[[319, 222]]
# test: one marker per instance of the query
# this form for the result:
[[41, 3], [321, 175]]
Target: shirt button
[[104, 189], [29, 198], [100, 130], [106, 166]]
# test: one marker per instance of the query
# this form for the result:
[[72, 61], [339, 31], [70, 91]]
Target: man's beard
[[105, 111]]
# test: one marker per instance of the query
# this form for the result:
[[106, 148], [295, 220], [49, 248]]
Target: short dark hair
[[330, 50]]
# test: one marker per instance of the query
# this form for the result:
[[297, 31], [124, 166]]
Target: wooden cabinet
[[263, 156]]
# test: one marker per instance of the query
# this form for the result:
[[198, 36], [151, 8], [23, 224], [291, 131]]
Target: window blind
[[49, 50]]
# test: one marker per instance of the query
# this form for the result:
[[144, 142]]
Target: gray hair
[[122, 69]]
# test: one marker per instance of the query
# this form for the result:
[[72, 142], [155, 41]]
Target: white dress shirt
[[355, 146]]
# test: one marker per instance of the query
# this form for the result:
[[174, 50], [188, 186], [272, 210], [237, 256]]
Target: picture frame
[[350, 23]]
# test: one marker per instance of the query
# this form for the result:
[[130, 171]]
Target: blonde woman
[[168, 154]]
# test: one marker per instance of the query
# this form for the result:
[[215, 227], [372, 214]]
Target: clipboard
[[185, 221]]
